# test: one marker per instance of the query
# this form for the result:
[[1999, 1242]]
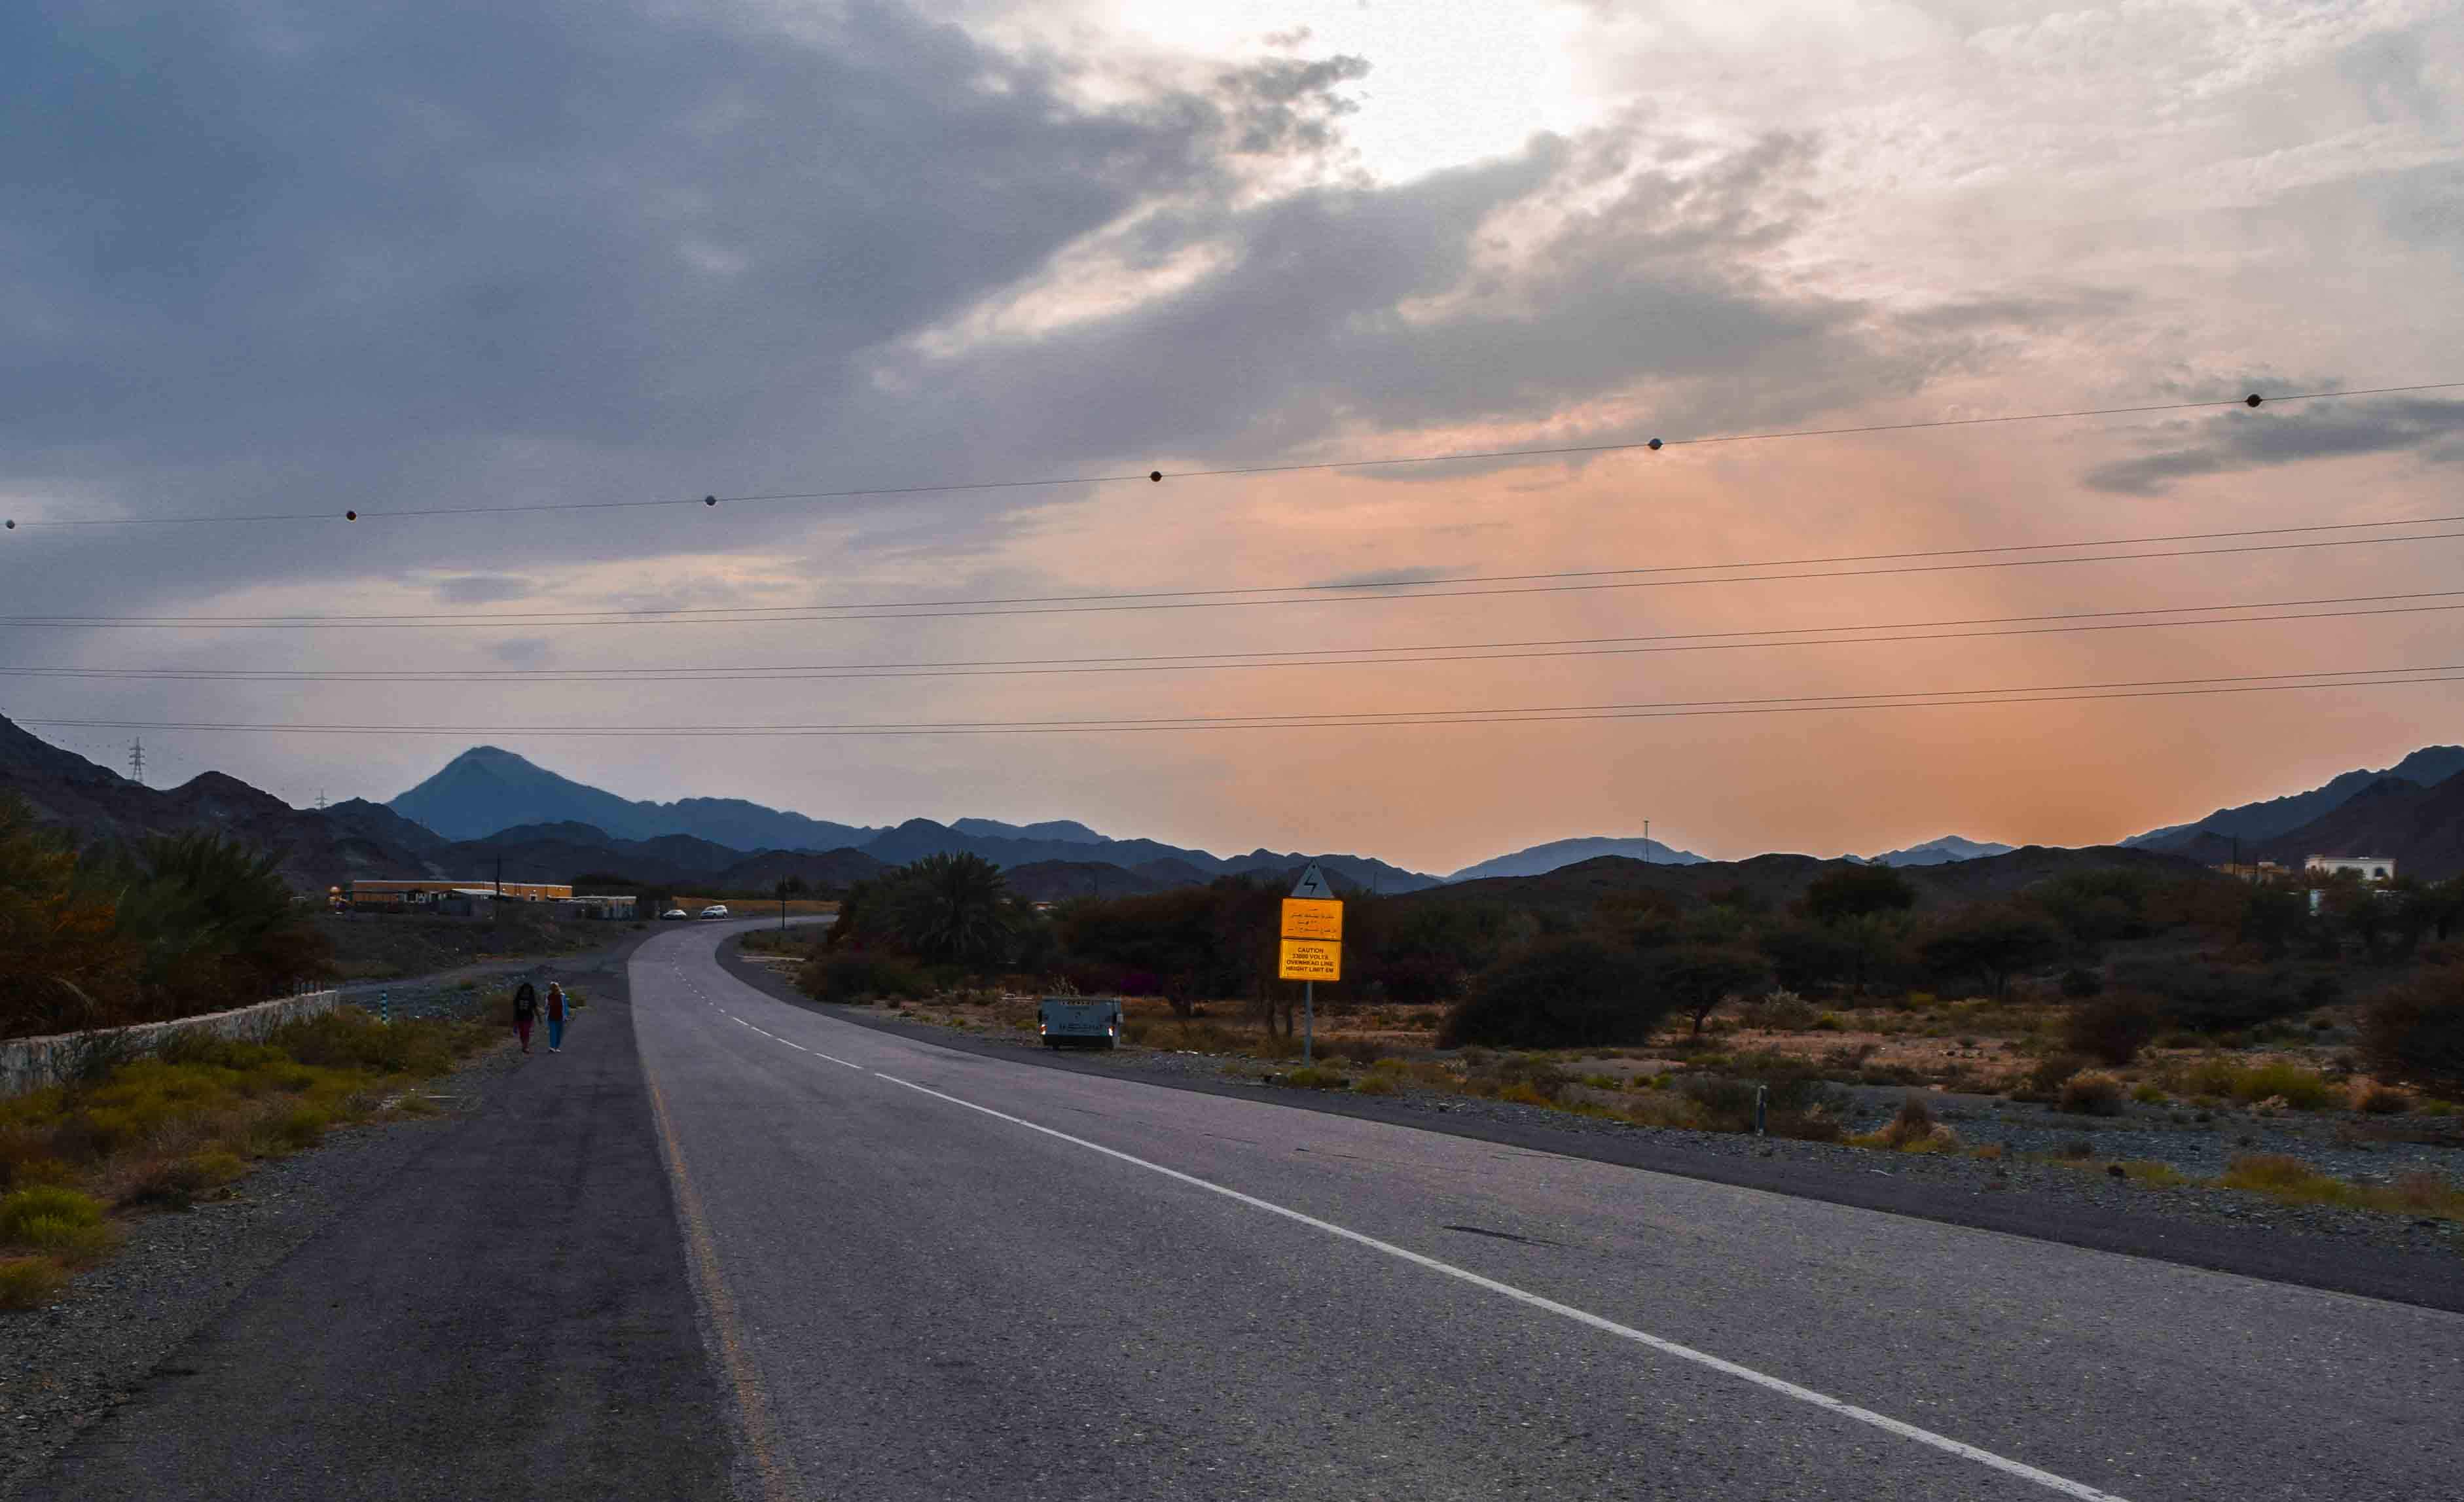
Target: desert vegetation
[[2096, 995], [127, 1134]]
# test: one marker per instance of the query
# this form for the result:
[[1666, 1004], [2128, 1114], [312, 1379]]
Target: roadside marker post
[[1312, 946]]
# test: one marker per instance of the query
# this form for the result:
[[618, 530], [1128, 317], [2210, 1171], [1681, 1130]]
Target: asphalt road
[[776, 1254], [946, 1275]]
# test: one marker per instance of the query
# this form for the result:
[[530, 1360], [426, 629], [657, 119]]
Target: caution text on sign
[[1306, 918], [1311, 960]]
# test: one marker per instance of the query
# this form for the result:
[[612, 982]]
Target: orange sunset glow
[[1022, 245]]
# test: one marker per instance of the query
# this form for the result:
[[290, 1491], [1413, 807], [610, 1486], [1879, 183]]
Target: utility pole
[[320, 801], [1646, 843], [137, 761], [500, 876]]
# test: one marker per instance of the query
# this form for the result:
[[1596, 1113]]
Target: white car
[[675, 912], [714, 910]]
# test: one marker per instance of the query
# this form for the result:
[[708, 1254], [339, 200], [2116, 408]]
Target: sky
[[288, 260]]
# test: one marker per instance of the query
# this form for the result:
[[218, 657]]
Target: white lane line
[[1784, 1388]]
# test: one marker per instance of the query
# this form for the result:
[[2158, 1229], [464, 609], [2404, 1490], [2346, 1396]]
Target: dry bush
[[1780, 1011], [30, 1282], [1914, 1125], [2382, 1100], [2091, 1093]]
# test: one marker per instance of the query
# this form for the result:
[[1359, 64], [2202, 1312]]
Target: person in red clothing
[[525, 1009], [558, 1010]]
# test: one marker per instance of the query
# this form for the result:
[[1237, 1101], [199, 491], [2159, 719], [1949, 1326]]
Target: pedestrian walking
[[525, 1009], [557, 1013]]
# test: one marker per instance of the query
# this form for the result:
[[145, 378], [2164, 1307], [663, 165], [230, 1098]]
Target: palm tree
[[951, 907]]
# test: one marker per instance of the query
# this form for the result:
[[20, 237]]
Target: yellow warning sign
[[1314, 917], [1311, 960]]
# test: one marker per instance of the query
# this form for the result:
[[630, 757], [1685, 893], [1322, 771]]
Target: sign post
[[1311, 949]]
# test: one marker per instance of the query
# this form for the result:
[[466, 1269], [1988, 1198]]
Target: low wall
[[33, 1063]]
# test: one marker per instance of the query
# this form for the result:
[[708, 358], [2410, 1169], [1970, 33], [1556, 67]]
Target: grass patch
[[2300, 1088], [2289, 1181], [1315, 1077]]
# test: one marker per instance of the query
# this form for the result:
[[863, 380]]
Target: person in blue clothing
[[558, 1010]]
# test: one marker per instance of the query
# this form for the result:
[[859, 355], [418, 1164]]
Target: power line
[[1910, 699], [1578, 580], [2083, 621], [1560, 451]]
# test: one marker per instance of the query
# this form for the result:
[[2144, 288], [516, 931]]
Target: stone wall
[[33, 1063]]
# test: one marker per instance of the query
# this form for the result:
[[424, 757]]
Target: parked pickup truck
[[1089, 1024]]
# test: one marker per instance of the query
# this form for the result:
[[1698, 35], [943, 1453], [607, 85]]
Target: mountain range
[[2255, 822], [1936, 852], [490, 806]]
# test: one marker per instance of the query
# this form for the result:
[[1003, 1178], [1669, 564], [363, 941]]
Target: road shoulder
[[492, 1304]]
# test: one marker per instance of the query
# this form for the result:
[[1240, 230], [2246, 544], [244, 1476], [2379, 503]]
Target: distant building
[[422, 894], [2369, 868], [2260, 871]]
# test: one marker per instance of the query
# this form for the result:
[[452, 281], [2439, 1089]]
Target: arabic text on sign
[[1306, 918]]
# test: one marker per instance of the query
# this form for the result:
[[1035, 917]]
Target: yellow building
[[421, 894]]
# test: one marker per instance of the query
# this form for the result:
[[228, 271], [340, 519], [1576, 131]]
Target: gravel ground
[[460, 992], [2198, 1151], [63, 1366]]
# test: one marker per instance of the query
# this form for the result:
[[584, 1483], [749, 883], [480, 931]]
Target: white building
[[2369, 868]]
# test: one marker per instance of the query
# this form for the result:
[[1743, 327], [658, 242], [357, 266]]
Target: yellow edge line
[[753, 1405]]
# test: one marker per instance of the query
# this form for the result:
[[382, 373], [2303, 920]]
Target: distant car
[[675, 912], [714, 910]]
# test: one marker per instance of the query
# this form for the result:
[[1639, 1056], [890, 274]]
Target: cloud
[[520, 651], [1420, 575], [483, 589], [2234, 442]]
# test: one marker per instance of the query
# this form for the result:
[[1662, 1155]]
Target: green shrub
[[303, 1126], [59, 1222], [45, 1205], [1567, 993], [2302, 1089], [854, 976], [1315, 1077]]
